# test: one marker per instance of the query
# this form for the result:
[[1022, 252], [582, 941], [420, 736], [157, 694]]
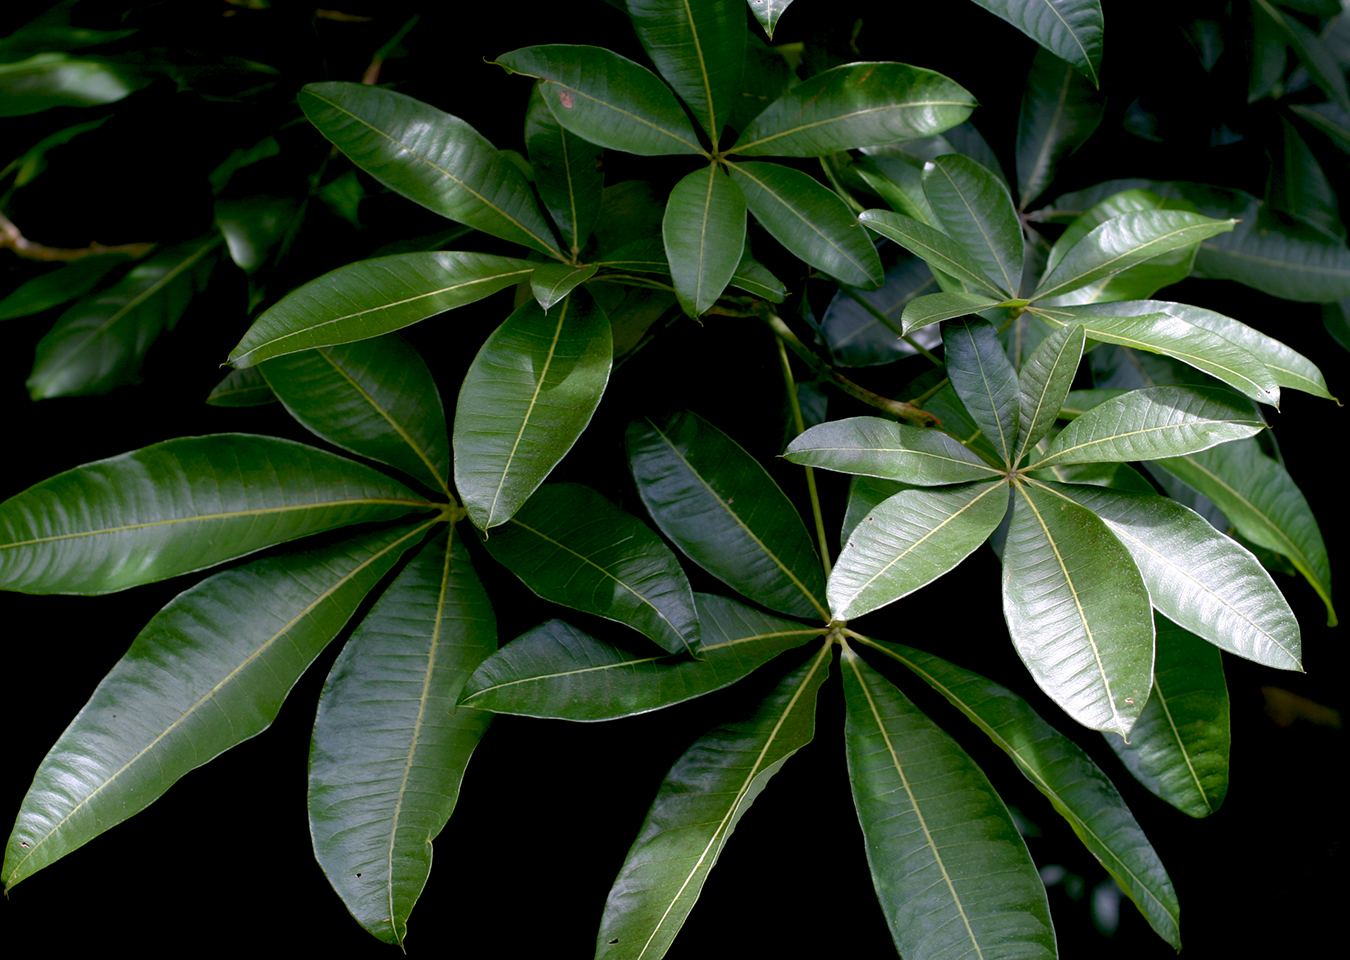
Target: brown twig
[[12, 238]]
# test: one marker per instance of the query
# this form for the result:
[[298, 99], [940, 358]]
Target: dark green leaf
[[1070, 29], [810, 221], [99, 342], [754, 278], [376, 398], [566, 172], [855, 105], [529, 394], [557, 671], [940, 251], [974, 209], [1179, 747], [572, 546], [56, 80], [985, 381], [1044, 382], [245, 387], [952, 874], [180, 506], [936, 307], [767, 12], [550, 282], [725, 512], [883, 448], [209, 671], [704, 235], [372, 297], [701, 800], [68, 281], [607, 99], [430, 157], [1314, 56], [1060, 110]]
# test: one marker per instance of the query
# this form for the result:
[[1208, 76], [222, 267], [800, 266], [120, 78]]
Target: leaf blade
[[704, 236]]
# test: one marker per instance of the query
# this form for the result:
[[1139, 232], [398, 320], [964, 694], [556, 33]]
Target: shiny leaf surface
[[566, 172], [940, 251], [1043, 383], [986, 382], [1060, 110], [974, 209], [704, 235], [875, 447], [1070, 29]]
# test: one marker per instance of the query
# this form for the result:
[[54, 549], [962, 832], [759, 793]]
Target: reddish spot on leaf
[[565, 98]]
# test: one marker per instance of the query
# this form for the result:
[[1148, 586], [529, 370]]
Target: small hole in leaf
[[358, 874], [615, 940]]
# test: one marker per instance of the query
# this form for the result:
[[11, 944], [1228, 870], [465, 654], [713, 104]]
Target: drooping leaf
[[1173, 336], [100, 341], [698, 805], [228, 649], [430, 157], [1043, 383], [940, 251], [767, 12], [855, 105], [1153, 423], [1070, 29], [1262, 501], [698, 47], [1179, 747], [389, 746], [68, 281], [182, 505], [1197, 577], [910, 540], [952, 874], [376, 398], [550, 282], [883, 448], [1080, 792], [1077, 610], [704, 235], [725, 512], [809, 220], [1060, 111], [1123, 241], [55, 80], [529, 394], [372, 297], [557, 671], [566, 173], [985, 381], [606, 99], [572, 546], [974, 209]]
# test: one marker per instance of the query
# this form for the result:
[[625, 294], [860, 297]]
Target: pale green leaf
[[882, 448]]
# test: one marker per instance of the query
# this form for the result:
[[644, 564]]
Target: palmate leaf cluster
[[1117, 599]]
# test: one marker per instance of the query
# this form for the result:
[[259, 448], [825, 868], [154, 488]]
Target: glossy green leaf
[[1173, 336], [767, 12], [254, 227], [1044, 382], [985, 381], [55, 80], [100, 341], [376, 398], [974, 209], [1056, 766], [939, 250], [698, 805], [896, 179], [935, 307], [372, 297], [1060, 111], [1152, 423], [607, 99], [430, 157], [1123, 241], [529, 394], [550, 282], [704, 235], [179, 506], [557, 671], [51, 289], [1179, 747], [1197, 577], [572, 546], [883, 448], [953, 876], [210, 670], [245, 387], [1303, 188], [718, 505], [1070, 29], [754, 278], [1077, 610], [389, 746], [855, 105], [909, 541], [810, 221], [1262, 501], [699, 47], [567, 173]]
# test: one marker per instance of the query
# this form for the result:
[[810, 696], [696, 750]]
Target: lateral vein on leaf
[[1027, 768], [631, 116], [852, 659], [796, 581], [1058, 454], [838, 118], [740, 168], [1133, 251], [548, 244], [1181, 743], [1008, 287], [1003, 440], [210, 694], [1040, 403], [398, 427]]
